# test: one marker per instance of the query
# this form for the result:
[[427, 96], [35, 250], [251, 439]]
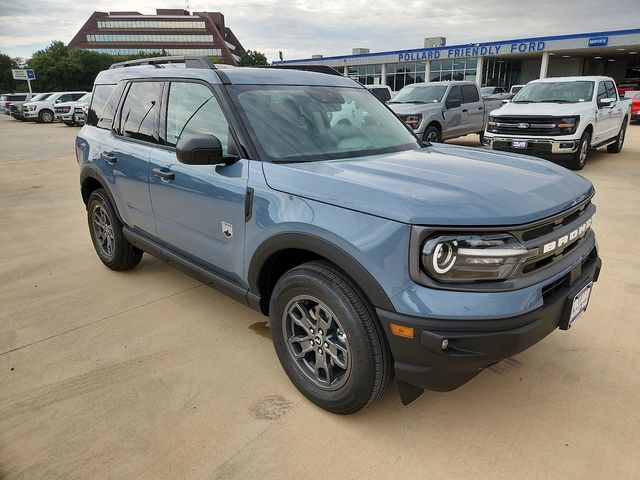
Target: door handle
[[110, 158], [480, 108], [464, 110], [164, 174]]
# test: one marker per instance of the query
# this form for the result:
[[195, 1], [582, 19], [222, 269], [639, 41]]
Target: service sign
[[23, 74], [598, 41]]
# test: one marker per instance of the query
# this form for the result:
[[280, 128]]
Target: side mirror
[[606, 102], [506, 100], [202, 150], [57, 101], [453, 103]]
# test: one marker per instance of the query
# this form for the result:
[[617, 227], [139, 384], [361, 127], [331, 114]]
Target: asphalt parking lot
[[149, 374]]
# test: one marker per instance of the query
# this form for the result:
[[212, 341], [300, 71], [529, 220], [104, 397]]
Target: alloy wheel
[[103, 231], [316, 342]]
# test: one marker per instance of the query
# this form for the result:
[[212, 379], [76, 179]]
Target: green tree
[[7, 83], [252, 58]]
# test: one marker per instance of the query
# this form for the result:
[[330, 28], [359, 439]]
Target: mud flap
[[408, 393]]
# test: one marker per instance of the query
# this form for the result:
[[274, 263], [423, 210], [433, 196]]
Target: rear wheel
[[45, 116], [328, 338], [616, 147], [106, 233], [579, 159]]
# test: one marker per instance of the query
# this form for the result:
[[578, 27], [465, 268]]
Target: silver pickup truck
[[438, 111]]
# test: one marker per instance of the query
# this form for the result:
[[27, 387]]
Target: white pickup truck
[[561, 119]]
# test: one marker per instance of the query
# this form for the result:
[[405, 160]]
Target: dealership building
[[499, 63], [173, 31]]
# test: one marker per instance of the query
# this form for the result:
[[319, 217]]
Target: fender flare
[[320, 246], [89, 172]]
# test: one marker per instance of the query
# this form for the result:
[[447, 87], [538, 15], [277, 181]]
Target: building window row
[[164, 38], [213, 52], [366, 74], [458, 69], [401, 74], [143, 24]]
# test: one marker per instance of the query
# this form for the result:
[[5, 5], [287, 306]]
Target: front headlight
[[492, 123], [568, 124], [413, 121], [472, 258]]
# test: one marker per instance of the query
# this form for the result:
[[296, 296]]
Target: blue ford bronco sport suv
[[372, 253]]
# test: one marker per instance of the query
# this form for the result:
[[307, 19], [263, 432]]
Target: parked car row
[[67, 107]]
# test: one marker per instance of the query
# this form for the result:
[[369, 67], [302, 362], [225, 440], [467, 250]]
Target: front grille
[[551, 230], [528, 126], [62, 109]]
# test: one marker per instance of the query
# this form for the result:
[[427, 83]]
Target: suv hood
[[437, 185], [551, 109]]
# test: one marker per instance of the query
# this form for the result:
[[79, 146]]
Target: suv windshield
[[556, 92], [424, 94], [309, 123]]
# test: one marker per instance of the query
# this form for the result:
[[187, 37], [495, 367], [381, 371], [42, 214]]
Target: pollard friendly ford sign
[[471, 51], [598, 41]]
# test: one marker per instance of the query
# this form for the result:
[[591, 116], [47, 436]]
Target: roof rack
[[189, 61], [307, 68]]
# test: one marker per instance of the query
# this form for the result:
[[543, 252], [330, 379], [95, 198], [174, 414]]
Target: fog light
[[567, 145]]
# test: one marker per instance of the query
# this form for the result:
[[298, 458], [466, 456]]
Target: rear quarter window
[[104, 103]]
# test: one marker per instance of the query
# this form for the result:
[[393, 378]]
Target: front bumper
[[65, 117], [535, 146], [30, 114], [473, 345]]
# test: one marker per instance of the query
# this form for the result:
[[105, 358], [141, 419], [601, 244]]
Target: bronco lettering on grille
[[569, 237]]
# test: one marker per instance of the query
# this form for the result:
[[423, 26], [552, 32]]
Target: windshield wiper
[[524, 101], [556, 100]]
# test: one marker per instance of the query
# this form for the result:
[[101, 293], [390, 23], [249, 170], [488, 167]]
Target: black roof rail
[[189, 61], [307, 68]]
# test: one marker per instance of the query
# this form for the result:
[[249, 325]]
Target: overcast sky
[[303, 28]]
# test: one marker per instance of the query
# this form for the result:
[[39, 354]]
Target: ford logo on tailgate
[[522, 125]]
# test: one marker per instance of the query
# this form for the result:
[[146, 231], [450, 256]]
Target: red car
[[635, 107], [628, 85]]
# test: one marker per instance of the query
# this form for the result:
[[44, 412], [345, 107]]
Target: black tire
[[101, 217], [579, 159], [46, 116], [69, 124], [368, 365], [432, 134], [616, 147]]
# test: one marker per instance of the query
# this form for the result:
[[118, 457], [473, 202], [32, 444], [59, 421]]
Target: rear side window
[[470, 94], [611, 90], [16, 98], [140, 110], [455, 94], [104, 103], [193, 109]]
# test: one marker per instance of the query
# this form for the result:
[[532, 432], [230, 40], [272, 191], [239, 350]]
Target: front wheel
[[432, 134], [616, 147], [46, 116], [579, 159], [328, 338]]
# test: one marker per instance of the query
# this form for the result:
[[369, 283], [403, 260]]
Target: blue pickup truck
[[372, 253]]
